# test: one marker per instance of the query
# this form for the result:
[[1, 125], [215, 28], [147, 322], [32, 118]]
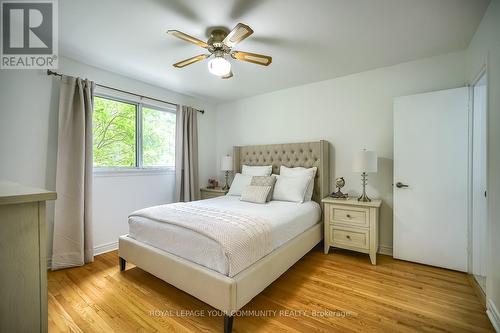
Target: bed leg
[[123, 263], [228, 324]]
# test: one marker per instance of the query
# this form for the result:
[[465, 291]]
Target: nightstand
[[207, 193], [352, 225]]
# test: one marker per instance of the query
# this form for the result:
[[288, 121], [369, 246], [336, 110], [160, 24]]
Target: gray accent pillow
[[255, 194], [264, 181]]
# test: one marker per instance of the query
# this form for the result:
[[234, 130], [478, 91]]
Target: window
[[158, 137], [131, 134], [114, 125]]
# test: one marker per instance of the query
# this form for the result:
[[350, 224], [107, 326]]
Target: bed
[[191, 262]]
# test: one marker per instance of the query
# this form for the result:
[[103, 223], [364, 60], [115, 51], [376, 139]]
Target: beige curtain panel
[[73, 244], [186, 154]]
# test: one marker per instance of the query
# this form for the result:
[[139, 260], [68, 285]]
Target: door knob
[[400, 185]]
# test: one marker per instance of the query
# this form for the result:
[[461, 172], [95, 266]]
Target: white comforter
[[223, 234]]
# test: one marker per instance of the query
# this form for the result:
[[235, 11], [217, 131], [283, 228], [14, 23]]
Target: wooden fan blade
[[187, 38], [228, 76], [239, 33], [254, 58], [192, 60]]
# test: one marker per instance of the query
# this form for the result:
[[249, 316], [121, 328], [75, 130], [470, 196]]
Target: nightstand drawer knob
[[348, 237], [349, 216]]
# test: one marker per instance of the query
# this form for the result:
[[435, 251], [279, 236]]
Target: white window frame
[[139, 168]]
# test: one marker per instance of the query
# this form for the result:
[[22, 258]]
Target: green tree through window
[[114, 133], [114, 129], [158, 137]]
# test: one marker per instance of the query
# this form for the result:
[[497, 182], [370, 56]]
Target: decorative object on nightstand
[[208, 193], [226, 164], [351, 224], [364, 161], [212, 183], [339, 183]]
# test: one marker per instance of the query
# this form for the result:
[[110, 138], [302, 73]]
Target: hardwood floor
[[339, 292]]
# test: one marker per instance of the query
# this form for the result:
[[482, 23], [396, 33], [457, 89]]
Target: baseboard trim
[[493, 314], [383, 249], [100, 249], [477, 289]]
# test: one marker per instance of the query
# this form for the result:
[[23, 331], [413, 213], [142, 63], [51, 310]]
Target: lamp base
[[226, 186], [364, 181], [364, 198]]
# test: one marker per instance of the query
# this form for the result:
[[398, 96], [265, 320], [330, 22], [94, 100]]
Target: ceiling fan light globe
[[219, 66]]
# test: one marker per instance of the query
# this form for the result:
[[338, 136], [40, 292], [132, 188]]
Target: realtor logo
[[29, 34]]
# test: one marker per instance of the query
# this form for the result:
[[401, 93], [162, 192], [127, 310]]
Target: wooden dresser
[[23, 258], [351, 224]]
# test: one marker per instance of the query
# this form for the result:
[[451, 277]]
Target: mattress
[[286, 221]]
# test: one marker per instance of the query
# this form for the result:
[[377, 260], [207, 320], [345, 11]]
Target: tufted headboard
[[307, 155]]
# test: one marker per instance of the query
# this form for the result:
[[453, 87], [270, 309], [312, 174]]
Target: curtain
[[73, 243], [186, 154]]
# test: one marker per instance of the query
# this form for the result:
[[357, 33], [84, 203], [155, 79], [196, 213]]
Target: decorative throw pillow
[[239, 183], [257, 170], [291, 188], [300, 171], [264, 181], [255, 194]]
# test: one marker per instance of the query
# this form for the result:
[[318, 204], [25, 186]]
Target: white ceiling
[[309, 40]]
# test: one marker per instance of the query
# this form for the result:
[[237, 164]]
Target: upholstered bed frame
[[229, 294], [307, 155]]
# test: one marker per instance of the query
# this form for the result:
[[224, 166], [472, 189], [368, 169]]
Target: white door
[[479, 206], [430, 178]]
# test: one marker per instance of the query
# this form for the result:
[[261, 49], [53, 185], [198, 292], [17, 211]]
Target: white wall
[[28, 145], [351, 112], [484, 50], [116, 196]]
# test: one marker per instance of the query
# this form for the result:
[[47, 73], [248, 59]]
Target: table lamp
[[364, 161], [226, 166]]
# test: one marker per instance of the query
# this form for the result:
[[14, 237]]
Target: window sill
[[122, 172]]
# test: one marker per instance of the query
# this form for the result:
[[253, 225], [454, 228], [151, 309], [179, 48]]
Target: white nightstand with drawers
[[352, 225], [208, 193]]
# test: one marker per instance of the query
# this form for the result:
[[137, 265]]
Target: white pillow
[[239, 183], [299, 171], [291, 188], [257, 170]]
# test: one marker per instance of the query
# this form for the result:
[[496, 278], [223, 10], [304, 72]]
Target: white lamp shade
[[226, 163], [364, 161]]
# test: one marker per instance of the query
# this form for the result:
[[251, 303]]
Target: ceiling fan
[[220, 45]]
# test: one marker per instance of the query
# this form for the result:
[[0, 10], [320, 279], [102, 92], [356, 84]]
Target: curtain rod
[[49, 72]]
